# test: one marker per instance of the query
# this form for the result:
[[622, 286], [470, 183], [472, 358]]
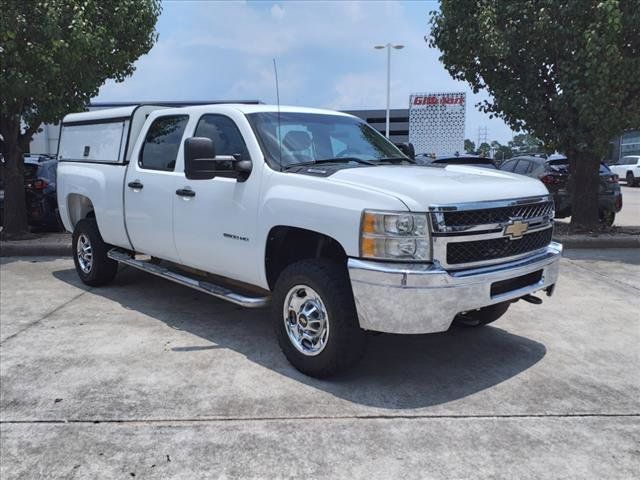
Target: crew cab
[[311, 211]]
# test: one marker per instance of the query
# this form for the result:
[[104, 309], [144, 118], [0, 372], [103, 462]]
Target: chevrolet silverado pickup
[[310, 211]]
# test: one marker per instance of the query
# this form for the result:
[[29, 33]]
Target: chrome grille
[[493, 248], [460, 220], [481, 233]]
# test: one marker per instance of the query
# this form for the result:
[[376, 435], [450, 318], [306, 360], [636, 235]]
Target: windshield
[[312, 137], [562, 165]]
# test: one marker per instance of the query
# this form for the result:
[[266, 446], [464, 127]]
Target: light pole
[[388, 46]]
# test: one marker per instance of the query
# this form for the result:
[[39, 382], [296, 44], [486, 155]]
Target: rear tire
[[482, 316], [607, 218], [315, 320], [90, 254]]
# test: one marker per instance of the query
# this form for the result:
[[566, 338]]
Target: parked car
[[555, 174], [40, 192], [628, 167], [471, 160], [312, 211]]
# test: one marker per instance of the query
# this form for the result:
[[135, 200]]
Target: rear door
[[150, 188]]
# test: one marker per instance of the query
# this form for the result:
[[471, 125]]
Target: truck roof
[[124, 112]]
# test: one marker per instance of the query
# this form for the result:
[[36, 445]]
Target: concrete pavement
[[148, 378], [630, 213]]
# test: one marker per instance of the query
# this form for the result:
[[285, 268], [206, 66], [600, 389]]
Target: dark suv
[[554, 173], [40, 192]]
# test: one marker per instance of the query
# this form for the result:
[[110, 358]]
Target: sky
[[216, 50]]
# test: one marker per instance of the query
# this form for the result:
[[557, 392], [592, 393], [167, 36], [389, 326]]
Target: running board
[[206, 287]]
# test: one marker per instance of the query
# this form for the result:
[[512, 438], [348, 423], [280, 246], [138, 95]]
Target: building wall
[[398, 121], [46, 141]]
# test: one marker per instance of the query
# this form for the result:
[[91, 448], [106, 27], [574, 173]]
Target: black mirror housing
[[199, 158], [407, 148], [201, 163]]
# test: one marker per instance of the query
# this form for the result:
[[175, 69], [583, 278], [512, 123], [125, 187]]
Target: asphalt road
[[148, 379]]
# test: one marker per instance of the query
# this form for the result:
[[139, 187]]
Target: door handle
[[185, 192], [136, 185]]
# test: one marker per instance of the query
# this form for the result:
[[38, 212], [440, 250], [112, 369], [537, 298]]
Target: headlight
[[394, 236]]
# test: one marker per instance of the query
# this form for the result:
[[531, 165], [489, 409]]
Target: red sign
[[434, 100]]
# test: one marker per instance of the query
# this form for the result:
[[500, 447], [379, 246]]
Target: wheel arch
[[79, 207], [287, 245]]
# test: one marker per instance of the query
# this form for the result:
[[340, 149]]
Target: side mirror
[[407, 148], [201, 162]]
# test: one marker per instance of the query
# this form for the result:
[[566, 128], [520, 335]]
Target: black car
[[555, 173], [40, 192], [444, 160]]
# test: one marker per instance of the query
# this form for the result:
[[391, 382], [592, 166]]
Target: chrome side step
[[206, 287]]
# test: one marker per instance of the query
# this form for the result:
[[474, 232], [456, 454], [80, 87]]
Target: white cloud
[[324, 50], [277, 11]]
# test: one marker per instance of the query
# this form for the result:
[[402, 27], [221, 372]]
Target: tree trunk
[[15, 208], [584, 185]]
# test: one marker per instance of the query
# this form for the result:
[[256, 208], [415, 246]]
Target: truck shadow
[[397, 372]]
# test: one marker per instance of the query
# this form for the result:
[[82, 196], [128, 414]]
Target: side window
[[507, 166], [522, 167], [162, 142], [224, 133]]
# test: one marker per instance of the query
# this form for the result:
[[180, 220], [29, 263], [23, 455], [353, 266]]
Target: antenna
[[275, 69]]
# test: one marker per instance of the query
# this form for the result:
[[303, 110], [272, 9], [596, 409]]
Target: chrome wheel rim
[[84, 253], [306, 320]]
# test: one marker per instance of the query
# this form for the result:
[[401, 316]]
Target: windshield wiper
[[396, 160], [332, 160]]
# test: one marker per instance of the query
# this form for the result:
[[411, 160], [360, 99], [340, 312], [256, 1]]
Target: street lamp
[[388, 46]]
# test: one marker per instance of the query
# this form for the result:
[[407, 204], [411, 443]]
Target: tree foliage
[[54, 56], [567, 72], [469, 146], [525, 143]]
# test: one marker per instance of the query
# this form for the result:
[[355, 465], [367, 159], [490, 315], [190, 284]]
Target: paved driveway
[[149, 379]]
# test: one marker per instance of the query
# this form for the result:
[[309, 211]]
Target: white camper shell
[[102, 136]]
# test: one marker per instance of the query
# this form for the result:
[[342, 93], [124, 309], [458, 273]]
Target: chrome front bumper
[[419, 298]]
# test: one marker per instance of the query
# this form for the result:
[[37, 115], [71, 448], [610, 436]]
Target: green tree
[[501, 153], [523, 143], [567, 72], [54, 56], [484, 148], [469, 146]]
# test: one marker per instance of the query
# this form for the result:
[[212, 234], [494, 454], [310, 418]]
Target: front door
[[215, 225], [149, 188]]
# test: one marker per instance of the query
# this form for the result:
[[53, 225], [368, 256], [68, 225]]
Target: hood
[[421, 186]]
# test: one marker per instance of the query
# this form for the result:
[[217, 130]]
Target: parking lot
[[149, 379]]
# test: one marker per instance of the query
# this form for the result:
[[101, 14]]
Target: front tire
[[315, 319], [482, 316], [631, 180], [93, 265]]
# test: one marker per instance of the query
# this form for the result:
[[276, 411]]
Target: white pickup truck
[[312, 211]]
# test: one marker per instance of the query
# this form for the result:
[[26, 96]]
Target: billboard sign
[[436, 122]]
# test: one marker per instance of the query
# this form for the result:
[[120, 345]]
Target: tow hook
[[531, 299]]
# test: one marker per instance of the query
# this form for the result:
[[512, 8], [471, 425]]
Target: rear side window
[[522, 167], [162, 143], [508, 166], [224, 133]]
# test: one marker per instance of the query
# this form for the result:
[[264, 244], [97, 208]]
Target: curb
[[585, 241]]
